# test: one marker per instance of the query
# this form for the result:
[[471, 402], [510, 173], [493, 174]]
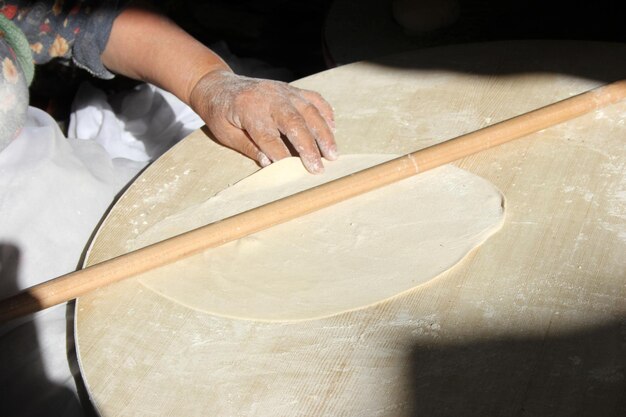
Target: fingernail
[[264, 160], [329, 151], [315, 166], [332, 153]]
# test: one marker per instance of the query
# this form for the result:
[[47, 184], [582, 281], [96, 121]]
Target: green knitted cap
[[18, 42]]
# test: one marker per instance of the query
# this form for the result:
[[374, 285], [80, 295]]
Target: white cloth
[[139, 125], [53, 192]]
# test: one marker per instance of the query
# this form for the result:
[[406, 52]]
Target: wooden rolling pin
[[74, 284]]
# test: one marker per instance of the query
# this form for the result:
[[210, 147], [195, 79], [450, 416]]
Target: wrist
[[208, 87], [202, 73]]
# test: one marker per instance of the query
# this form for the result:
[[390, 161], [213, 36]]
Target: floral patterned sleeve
[[69, 29]]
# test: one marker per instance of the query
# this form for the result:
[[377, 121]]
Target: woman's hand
[[263, 118], [258, 118]]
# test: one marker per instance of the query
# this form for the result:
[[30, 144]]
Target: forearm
[[147, 46], [250, 115]]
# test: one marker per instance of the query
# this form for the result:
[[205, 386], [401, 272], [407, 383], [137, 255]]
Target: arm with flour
[[249, 115]]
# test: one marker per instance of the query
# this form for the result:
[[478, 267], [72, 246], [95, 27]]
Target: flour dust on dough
[[345, 257]]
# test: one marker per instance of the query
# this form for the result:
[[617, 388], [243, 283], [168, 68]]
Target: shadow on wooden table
[[577, 374]]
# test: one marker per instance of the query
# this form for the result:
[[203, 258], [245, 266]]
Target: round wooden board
[[532, 323]]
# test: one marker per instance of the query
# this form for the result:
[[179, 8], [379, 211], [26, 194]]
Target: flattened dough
[[345, 257]]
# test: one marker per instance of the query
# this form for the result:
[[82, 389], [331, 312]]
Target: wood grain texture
[[533, 322]]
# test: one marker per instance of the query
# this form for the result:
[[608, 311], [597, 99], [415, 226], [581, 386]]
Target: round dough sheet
[[345, 257]]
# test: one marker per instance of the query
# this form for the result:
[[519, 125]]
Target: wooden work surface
[[532, 323]]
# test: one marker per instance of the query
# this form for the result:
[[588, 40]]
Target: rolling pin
[[72, 285]]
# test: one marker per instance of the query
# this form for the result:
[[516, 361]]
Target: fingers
[[293, 125], [322, 105], [240, 141], [302, 124], [249, 116], [258, 142], [268, 140], [318, 126]]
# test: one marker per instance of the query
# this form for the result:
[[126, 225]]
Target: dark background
[[288, 34]]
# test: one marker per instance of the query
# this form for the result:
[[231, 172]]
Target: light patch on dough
[[345, 257]]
